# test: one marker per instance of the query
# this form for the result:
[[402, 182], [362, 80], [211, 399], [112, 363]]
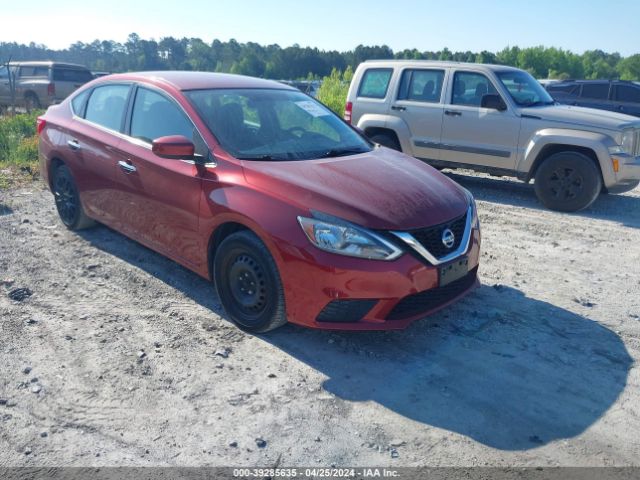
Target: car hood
[[382, 189], [581, 116]]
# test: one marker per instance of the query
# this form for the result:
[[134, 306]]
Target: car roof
[[46, 63], [185, 80], [443, 64]]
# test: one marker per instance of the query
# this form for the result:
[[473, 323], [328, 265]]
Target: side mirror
[[493, 101], [174, 146]]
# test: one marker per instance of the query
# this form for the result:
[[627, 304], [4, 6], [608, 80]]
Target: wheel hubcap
[[565, 183], [248, 285], [65, 196]]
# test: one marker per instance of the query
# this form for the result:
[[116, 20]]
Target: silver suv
[[40, 84], [499, 120]]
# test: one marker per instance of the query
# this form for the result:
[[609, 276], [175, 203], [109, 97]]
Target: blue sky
[[336, 24]]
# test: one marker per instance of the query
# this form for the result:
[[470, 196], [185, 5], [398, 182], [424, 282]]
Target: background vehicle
[[257, 186], [616, 96], [496, 119], [40, 84]]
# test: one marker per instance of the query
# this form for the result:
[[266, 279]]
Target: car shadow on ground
[[506, 370], [5, 210], [624, 209]]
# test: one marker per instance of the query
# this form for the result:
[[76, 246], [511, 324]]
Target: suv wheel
[[568, 182], [386, 140], [67, 200], [248, 283]]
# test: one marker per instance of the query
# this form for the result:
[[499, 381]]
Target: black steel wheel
[[67, 200], [568, 181], [248, 283]]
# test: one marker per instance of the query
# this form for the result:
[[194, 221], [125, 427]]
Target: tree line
[[296, 62]]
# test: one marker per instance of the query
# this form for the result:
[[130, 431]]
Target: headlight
[[475, 220], [338, 236], [627, 143]]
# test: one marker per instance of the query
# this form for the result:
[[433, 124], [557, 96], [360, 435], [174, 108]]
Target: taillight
[[51, 89], [40, 124], [348, 109]]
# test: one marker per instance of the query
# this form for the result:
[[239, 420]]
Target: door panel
[[158, 201], [91, 151], [418, 103], [475, 135]]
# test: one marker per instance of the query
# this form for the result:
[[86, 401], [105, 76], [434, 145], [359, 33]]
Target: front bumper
[[628, 170], [387, 295]]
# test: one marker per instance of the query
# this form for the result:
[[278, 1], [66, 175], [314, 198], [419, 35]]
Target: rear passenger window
[[34, 72], [72, 75], [469, 88], [627, 93], [156, 116], [77, 104], [421, 85], [375, 82], [106, 106], [599, 91]]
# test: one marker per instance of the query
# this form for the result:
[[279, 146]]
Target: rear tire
[[68, 202], [31, 102], [568, 182], [386, 140], [248, 283]]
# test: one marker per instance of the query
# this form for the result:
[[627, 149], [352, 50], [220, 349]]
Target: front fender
[[599, 143]]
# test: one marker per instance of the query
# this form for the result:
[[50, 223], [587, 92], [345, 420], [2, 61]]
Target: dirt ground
[[121, 357]]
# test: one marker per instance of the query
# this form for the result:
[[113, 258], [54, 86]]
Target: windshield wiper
[[539, 103], [341, 152], [262, 157]]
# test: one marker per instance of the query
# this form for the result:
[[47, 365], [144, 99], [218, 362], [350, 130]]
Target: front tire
[[248, 283], [67, 200], [568, 182], [386, 140]]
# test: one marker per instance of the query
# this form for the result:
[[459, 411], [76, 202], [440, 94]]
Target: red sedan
[[292, 213]]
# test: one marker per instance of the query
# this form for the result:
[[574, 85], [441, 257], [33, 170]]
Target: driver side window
[[469, 88]]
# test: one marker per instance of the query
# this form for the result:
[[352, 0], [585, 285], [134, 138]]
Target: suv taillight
[[40, 124], [348, 109], [51, 89]]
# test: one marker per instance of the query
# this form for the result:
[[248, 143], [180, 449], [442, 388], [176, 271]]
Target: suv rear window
[[598, 91], [72, 75], [375, 82], [627, 93], [29, 71], [421, 85]]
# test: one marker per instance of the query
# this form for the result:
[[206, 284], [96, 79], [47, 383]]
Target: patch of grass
[[334, 89], [18, 149]]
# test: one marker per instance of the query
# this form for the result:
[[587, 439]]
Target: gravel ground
[[113, 355]]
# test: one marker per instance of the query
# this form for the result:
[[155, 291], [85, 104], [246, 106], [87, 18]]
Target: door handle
[[127, 167], [453, 113], [398, 107], [74, 144]]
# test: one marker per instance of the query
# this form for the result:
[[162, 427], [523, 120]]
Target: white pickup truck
[[499, 120]]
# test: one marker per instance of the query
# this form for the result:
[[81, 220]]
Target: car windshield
[[268, 124], [524, 89]]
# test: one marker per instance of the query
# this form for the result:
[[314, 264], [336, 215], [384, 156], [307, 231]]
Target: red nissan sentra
[[292, 213]]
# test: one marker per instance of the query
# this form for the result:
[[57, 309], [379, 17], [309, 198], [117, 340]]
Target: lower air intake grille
[[430, 299], [345, 311]]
